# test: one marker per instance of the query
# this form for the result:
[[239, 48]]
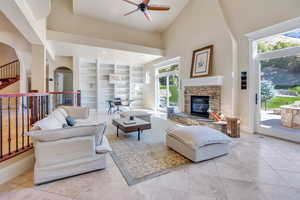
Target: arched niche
[[63, 79]]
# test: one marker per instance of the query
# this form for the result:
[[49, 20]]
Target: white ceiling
[[109, 56], [113, 11]]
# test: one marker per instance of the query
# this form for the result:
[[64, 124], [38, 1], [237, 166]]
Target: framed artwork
[[202, 62]]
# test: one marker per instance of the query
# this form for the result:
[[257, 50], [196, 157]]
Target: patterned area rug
[[142, 160]]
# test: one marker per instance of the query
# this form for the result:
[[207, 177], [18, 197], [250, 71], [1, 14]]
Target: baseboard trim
[[15, 169]]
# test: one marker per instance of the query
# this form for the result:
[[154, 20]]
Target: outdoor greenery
[[267, 90], [168, 69], [263, 47], [173, 88], [276, 102], [295, 89]]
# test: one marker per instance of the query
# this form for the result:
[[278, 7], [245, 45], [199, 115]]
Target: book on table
[[129, 122]]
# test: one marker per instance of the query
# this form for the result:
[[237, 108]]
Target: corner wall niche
[[111, 81]]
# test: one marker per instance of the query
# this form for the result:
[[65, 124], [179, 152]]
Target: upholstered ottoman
[[139, 114], [198, 143]]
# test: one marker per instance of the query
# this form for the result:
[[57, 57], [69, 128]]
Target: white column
[[38, 68], [76, 63]]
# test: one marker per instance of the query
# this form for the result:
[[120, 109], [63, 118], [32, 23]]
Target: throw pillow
[[63, 112], [48, 123], [70, 121], [59, 116]]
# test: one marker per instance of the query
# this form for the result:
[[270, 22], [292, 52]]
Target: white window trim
[[292, 51]]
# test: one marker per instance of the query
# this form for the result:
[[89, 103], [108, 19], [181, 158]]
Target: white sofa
[[64, 152]]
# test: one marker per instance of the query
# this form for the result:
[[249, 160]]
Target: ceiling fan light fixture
[[145, 7]]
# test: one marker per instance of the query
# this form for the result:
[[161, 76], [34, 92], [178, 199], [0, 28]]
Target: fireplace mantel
[[205, 81]]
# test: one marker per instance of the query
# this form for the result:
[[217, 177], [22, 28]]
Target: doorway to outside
[[168, 85], [277, 65]]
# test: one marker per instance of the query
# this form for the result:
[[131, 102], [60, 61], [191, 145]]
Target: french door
[[168, 91]]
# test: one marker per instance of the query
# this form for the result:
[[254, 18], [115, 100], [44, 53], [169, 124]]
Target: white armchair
[[66, 152]]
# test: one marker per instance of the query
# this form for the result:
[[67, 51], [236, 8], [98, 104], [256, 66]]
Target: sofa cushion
[[49, 123], [76, 112], [198, 136]]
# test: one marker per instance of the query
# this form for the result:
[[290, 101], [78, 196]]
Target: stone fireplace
[[208, 98], [201, 95]]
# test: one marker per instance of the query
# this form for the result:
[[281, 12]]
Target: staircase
[[9, 73]]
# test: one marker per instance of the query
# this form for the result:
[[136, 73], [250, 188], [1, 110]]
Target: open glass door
[[163, 93], [168, 88], [278, 89]]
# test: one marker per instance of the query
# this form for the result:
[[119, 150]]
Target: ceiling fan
[[144, 6]]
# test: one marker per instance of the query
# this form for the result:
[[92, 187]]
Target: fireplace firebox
[[200, 106]]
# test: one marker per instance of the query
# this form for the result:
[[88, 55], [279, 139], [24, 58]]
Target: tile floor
[[258, 168]]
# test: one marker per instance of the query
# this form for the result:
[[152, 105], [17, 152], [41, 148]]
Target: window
[[277, 42]]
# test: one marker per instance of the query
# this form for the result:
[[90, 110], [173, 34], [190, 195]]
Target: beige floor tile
[[203, 168], [177, 180], [208, 186], [280, 163], [242, 190], [266, 175], [292, 178], [31, 194], [279, 193], [163, 193], [233, 171]]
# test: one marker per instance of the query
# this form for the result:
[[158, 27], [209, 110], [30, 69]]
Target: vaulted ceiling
[[114, 10]]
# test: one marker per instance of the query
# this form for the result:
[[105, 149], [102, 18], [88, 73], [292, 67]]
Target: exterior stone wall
[[214, 92], [290, 117]]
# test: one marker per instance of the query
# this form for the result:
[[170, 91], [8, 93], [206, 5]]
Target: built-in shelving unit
[[136, 86], [122, 86], [88, 84], [101, 82]]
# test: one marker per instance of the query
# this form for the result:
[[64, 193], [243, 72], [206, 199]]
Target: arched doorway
[[63, 82], [9, 70]]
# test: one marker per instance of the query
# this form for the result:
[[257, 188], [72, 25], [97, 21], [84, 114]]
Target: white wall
[[62, 19], [245, 16], [201, 23], [7, 54], [64, 61]]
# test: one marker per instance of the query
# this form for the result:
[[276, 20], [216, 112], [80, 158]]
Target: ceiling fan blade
[[158, 8], [135, 10], [146, 2], [130, 2], [147, 15]]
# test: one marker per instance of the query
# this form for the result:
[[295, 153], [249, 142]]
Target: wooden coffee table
[[139, 126]]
